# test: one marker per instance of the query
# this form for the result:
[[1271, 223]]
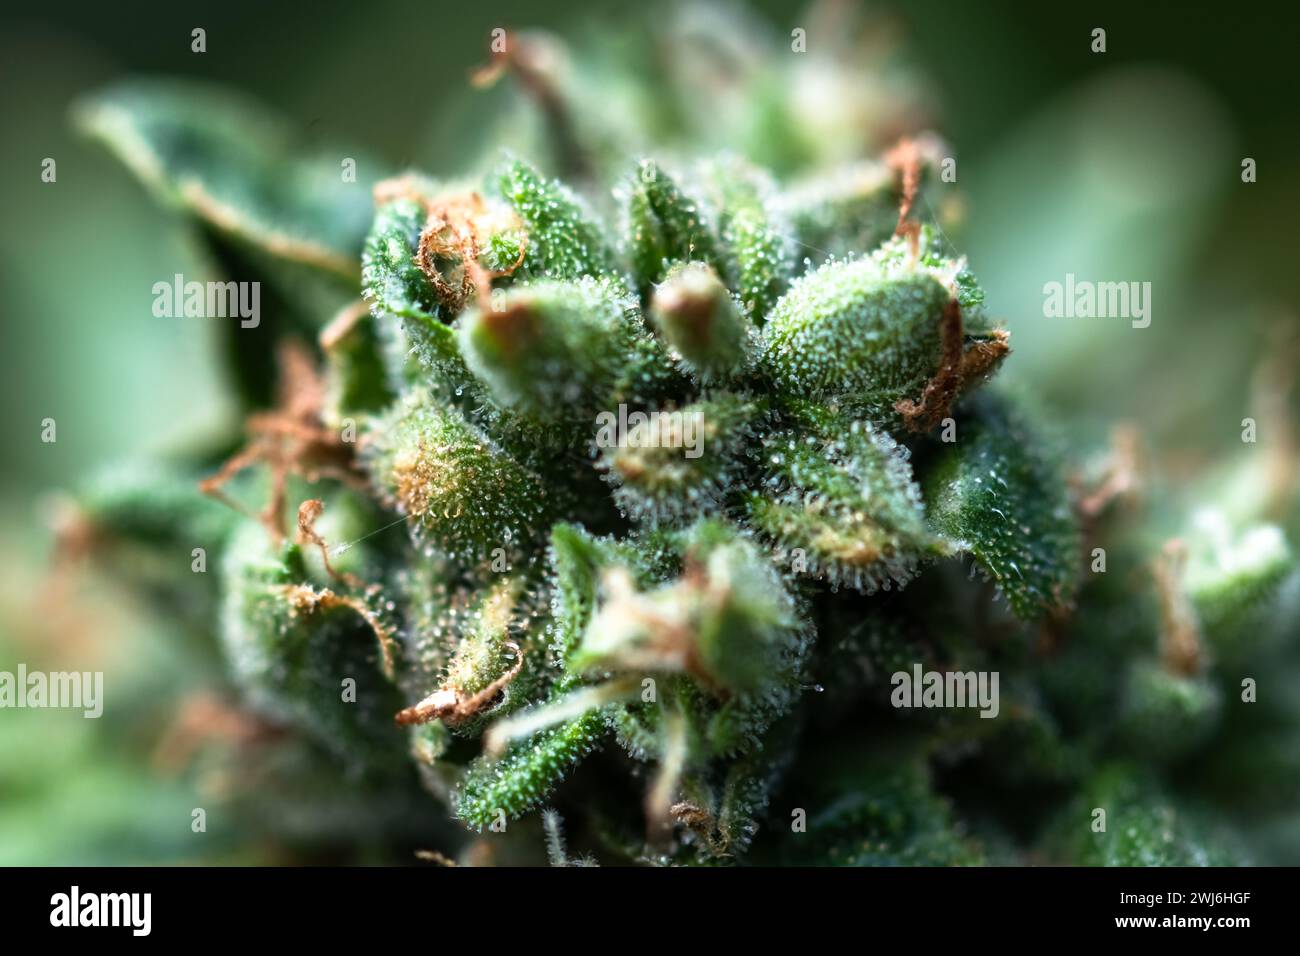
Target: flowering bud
[[699, 319]]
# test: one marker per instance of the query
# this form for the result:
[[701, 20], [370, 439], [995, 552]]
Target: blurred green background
[[1121, 166]]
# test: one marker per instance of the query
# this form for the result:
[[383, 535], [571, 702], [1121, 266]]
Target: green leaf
[[999, 493], [526, 774], [271, 209], [230, 164]]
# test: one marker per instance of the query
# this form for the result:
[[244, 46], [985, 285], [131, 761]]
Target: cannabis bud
[[625, 476]]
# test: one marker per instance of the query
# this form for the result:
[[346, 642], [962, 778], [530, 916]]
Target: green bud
[[553, 348], [840, 503], [552, 351], [708, 601], [698, 318], [849, 331], [563, 241], [292, 643], [903, 333], [760, 258], [662, 225], [728, 620], [680, 462], [462, 495]]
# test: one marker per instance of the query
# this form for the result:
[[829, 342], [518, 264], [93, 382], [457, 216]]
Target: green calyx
[[700, 321]]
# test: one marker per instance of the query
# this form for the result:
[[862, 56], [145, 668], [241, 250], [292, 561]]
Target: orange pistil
[[1180, 635], [291, 440], [308, 512], [452, 230], [907, 158], [959, 366], [455, 227], [303, 598], [453, 705]]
